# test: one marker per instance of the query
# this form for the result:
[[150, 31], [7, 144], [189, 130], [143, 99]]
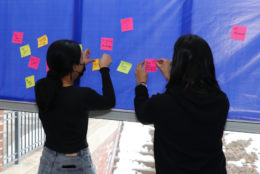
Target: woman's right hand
[[165, 67], [105, 61]]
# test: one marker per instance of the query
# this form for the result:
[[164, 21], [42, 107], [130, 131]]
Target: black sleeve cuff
[[104, 70]]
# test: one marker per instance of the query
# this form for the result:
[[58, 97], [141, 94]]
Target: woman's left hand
[[85, 57], [140, 74]]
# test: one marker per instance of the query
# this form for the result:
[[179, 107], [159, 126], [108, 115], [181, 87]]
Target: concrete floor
[[98, 131]]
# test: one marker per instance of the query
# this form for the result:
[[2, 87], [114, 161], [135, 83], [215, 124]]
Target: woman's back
[[188, 131]]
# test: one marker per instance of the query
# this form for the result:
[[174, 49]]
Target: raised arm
[[107, 100]]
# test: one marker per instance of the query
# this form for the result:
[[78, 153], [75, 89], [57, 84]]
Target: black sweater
[[66, 125], [188, 129]]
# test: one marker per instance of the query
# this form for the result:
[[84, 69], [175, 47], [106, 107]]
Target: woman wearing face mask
[[63, 108]]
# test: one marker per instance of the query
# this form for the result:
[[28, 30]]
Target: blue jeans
[[53, 162]]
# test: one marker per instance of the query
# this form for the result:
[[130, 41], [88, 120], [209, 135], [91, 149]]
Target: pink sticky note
[[127, 24], [150, 65], [34, 62], [47, 67], [106, 44], [238, 32], [17, 37]]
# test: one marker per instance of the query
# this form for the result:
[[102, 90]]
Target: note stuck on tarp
[[106, 44], [124, 67], [127, 24], [30, 81], [34, 62], [42, 41], [25, 50], [238, 32], [17, 37]]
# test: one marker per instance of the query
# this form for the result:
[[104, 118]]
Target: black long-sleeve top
[[66, 125], [188, 129]]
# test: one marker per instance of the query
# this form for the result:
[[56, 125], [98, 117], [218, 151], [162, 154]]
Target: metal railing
[[23, 133]]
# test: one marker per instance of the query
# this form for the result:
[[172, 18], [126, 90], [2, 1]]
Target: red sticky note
[[17, 37], [47, 68], [238, 32], [127, 24], [150, 65], [106, 44], [34, 62]]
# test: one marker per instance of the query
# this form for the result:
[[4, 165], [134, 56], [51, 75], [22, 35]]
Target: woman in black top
[[189, 118], [63, 108]]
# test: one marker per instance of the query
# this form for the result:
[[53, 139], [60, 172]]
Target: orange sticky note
[[17, 37], [106, 44], [30, 81], [42, 41], [127, 24], [34, 62], [238, 32], [25, 50], [150, 65], [96, 65]]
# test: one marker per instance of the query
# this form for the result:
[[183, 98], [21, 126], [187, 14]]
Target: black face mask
[[82, 72]]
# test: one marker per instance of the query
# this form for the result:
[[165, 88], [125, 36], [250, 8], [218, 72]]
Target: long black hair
[[61, 56], [192, 65]]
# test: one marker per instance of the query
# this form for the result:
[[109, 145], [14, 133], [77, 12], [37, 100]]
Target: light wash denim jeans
[[53, 162]]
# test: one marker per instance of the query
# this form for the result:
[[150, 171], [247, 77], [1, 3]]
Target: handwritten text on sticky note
[[106, 44], [127, 24], [25, 50], [96, 65], [34, 62], [238, 32], [150, 65], [30, 81], [42, 41], [124, 67], [17, 37]]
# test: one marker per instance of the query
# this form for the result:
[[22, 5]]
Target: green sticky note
[[30, 82], [124, 67], [80, 45], [25, 50]]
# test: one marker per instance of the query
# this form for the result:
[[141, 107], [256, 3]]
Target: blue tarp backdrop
[[157, 26]]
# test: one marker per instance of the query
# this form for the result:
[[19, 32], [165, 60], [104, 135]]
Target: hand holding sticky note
[[25, 50], [96, 65], [150, 65], [34, 62], [42, 41], [127, 24], [106, 44], [17, 37], [238, 32], [30, 81], [124, 67]]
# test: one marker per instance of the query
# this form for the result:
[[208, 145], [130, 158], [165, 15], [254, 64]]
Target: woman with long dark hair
[[189, 118], [63, 108]]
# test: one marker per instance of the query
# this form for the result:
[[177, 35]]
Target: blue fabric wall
[[157, 25]]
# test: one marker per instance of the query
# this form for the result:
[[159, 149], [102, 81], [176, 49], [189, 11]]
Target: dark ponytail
[[61, 56]]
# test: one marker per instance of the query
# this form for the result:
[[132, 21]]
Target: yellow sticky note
[[96, 65], [25, 50], [80, 45], [42, 41], [124, 67], [30, 82]]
